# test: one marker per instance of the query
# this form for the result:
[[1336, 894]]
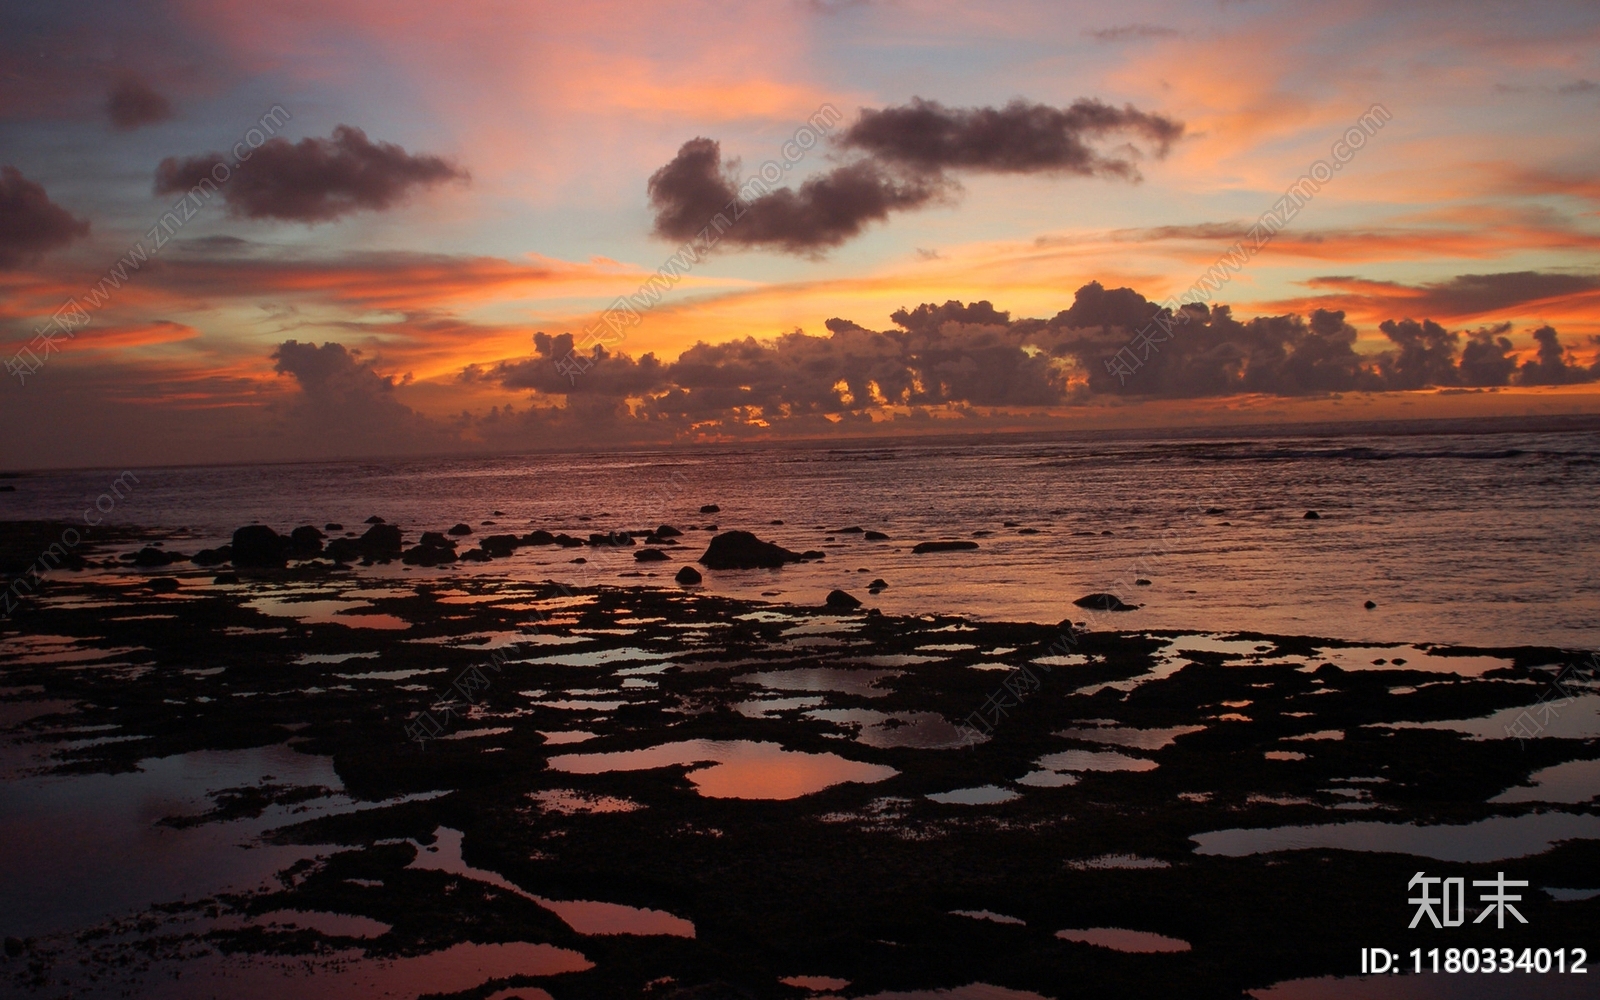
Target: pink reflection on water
[[739, 769], [1121, 939]]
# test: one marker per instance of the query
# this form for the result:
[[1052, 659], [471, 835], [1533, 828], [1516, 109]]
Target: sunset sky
[[437, 193]]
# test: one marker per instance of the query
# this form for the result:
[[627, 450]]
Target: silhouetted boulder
[[877, 585], [461, 529], [922, 547], [875, 536], [305, 542], [429, 555], [710, 508], [1215, 510], [333, 526], [666, 531], [500, 546], [650, 555], [1104, 602], [611, 538], [538, 538], [382, 541], [1370, 605], [1141, 582], [566, 541], [163, 585], [475, 555], [150, 557], [212, 557], [223, 578], [343, 550], [854, 529], [742, 550], [374, 519], [841, 600], [1312, 515], [258, 545], [688, 576], [810, 554]]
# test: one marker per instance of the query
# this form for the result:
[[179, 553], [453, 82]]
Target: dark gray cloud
[[1554, 366], [345, 406], [313, 180], [904, 156], [1579, 87], [1425, 354], [699, 186], [1486, 357], [1019, 138], [1132, 32], [133, 103], [30, 223], [1473, 294]]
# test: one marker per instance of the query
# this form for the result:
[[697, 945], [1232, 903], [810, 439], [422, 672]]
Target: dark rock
[[1141, 582], [305, 542], [650, 555], [538, 538], [498, 513], [613, 538], [163, 584], [1312, 515], [212, 557], [810, 554], [877, 585], [1009, 524], [500, 546], [435, 540], [374, 519], [1215, 510], [150, 557], [333, 526], [475, 555], [775, 522], [14, 947], [666, 531], [982, 533], [1104, 602], [429, 555], [742, 550], [852, 530], [709, 527], [840, 599], [710, 508], [8, 489], [566, 541], [460, 529], [658, 540], [688, 576], [343, 550], [222, 578], [382, 541], [580, 559], [1370, 605], [1106, 532], [922, 547], [258, 545], [875, 536], [1027, 531]]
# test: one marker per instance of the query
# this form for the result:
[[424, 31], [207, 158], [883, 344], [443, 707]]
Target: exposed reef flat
[[489, 788]]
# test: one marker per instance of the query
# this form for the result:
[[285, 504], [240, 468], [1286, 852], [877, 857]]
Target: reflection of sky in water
[[1493, 839], [738, 769], [1573, 719], [1572, 782], [862, 683]]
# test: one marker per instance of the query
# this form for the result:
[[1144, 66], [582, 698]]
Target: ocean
[[1473, 533]]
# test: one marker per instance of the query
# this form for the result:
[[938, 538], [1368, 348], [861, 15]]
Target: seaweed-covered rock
[[922, 547], [743, 550]]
